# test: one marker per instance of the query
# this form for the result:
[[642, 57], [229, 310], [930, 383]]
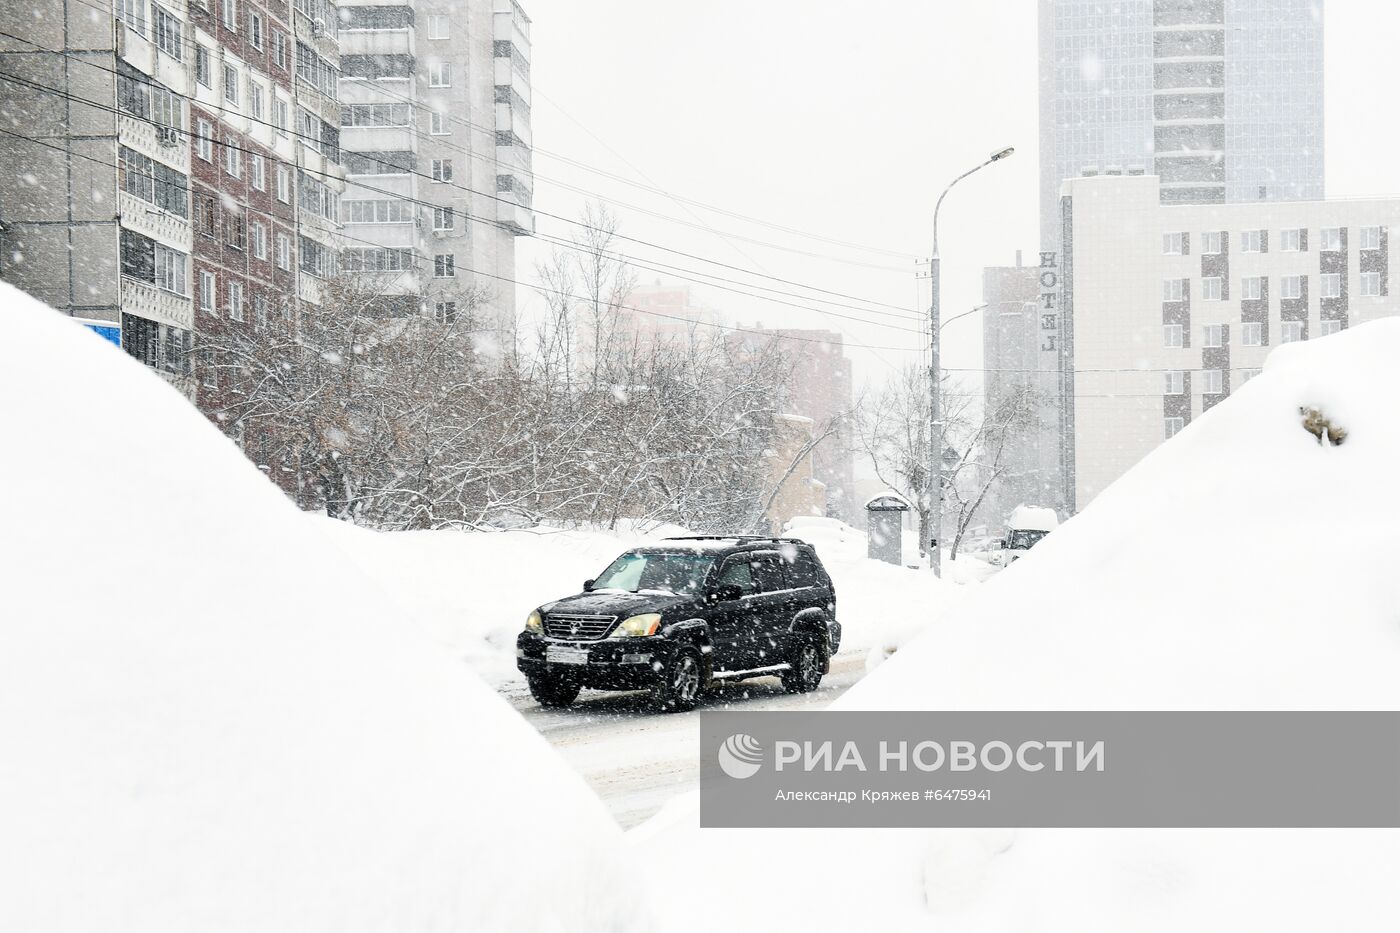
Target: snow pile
[[1242, 565], [211, 722], [471, 590]]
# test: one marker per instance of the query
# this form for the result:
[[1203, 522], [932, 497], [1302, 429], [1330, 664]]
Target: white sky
[[845, 120]]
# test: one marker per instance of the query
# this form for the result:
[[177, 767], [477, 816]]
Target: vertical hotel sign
[[1050, 311], [1051, 381]]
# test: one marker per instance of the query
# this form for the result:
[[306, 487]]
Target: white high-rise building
[[1167, 309], [436, 127], [1222, 99]]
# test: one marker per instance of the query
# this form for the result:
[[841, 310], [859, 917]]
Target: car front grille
[[577, 627]]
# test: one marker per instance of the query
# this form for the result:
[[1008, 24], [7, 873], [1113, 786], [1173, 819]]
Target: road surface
[[635, 758]]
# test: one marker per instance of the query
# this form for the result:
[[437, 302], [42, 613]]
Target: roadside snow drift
[[1249, 563], [210, 722]]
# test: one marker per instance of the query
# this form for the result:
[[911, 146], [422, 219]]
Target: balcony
[[145, 300], [377, 41]]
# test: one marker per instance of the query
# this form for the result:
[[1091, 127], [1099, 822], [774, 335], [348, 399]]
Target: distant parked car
[[675, 616], [1026, 527]]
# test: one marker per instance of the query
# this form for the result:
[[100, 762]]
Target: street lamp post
[[936, 425]]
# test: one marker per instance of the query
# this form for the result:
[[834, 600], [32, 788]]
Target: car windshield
[[666, 573], [1020, 540]]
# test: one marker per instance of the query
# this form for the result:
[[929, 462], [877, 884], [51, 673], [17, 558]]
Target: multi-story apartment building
[[1015, 357], [436, 127], [1222, 99], [1167, 308], [181, 173], [94, 205]]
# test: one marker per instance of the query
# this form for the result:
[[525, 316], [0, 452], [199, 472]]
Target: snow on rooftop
[[1245, 564], [211, 722]]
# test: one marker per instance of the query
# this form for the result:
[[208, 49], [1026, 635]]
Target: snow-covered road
[[635, 758]]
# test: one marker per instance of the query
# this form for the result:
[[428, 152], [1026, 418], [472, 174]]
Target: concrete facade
[[437, 124]]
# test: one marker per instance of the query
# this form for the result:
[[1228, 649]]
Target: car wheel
[[805, 667], [553, 691], [679, 688]]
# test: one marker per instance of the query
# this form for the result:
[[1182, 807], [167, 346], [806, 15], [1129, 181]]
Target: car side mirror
[[588, 586], [726, 593]]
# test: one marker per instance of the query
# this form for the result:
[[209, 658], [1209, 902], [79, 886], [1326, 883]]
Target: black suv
[[677, 615]]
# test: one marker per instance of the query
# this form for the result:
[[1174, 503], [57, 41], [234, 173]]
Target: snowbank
[[471, 591], [210, 721], [1242, 565], [1033, 518]]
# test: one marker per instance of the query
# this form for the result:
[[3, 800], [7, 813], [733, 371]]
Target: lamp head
[[998, 156]]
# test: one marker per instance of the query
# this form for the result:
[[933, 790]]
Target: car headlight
[[535, 623], [638, 626]]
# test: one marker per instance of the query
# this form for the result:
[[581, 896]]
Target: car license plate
[[558, 654]]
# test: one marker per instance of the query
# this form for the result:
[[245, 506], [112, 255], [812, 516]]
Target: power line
[[772, 335], [190, 43], [467, 214]]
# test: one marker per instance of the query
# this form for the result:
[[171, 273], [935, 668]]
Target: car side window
[[738, 573], [802, 568], [768, 573]]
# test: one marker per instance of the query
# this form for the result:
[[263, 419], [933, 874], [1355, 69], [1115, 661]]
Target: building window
[[1213, 335], [1291, 332], [437, 124], [231, 84], [259, 171], [1252, 288], [1211, 288], [258, 235], [233, 157], [255, 30], [1252, 241], [386, 211], [316, 258], [1248, 374], [1173, 336], [204, 144], [1328, 328], [442, 170], [235, 301], [284, 252], [1370, 284], [1211, 242], [235, 230], [206, 215], [1174, 426], [378, 259], [153, 182], [1175, 382], [1173, 289], [376, 115], [281, 115], [207, 286], [1212, 382], [443, 218], [1331, 238], [1370, 237], [440, 74], [231, 14], [446, 312], [255, 99], [437, 26], [284, 184], [1173, 244], [169, 33], [202, 70], [1291, 241], [1252, 334], [1292, 286], [444, 266], [133, 13], [1330, 285]]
